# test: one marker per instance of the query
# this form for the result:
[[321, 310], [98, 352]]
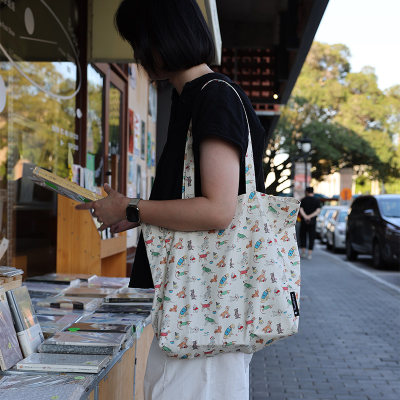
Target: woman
[[171, 40]]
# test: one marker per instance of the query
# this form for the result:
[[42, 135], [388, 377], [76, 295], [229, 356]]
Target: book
[[63, 186], [99, 327], [135, 321], [83, 343], [84, 363], [89, 292], [128, 298], [112, 318], [27, 326], [108, 282], [44, 289], [138, 291], [130, 308], [10, 271], [10, 352], [71, 303], [52, 324], [62, 279], [44, 386]]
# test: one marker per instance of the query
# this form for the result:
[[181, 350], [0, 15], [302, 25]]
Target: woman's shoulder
[[220, 86]]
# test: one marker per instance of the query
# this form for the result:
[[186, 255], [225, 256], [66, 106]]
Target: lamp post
[[305, 146]]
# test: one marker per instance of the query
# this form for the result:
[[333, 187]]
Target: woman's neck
[[180, 78]]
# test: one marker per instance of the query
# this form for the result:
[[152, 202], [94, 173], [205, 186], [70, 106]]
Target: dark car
[[373, 227]]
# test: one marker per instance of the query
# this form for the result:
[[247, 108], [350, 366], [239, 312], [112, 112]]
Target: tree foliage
[[352, 123], [34, 127]]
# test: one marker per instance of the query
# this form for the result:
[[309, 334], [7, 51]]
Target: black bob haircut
[[167, 35]]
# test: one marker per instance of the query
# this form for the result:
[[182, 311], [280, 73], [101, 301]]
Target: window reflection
[[114, 126], [95, 133], [35, 129]]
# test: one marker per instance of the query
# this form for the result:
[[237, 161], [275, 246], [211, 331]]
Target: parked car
[[373, 227], [336, 229], [328, 215], [319, 222]]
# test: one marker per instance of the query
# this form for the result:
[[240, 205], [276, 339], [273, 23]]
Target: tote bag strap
[[188, 171]]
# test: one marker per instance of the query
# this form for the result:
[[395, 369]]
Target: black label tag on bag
[[294, 304]]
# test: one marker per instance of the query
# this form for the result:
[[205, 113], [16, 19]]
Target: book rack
[[80, 248]]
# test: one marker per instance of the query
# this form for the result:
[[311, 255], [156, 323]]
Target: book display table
[[82, 353], [122, 379]]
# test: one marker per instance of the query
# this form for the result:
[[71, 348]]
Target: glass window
[[342, 216], [114, 136], [323, 211], [329, 215], [39, 81], [390, 207], [95, 118]]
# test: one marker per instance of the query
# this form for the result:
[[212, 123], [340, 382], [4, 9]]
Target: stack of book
[[10, 277], [83, 343], [84, 363]]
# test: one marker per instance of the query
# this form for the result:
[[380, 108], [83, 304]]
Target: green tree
[[37, 119], [351, 122]]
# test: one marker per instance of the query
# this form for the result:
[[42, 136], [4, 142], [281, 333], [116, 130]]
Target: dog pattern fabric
[[235, 289]]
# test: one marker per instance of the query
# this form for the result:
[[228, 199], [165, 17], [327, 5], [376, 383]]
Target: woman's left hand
[[108, 211]]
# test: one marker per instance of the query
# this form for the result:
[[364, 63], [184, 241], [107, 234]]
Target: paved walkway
[[348, 346]]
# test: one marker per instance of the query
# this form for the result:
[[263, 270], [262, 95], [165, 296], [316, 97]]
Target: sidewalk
[[348, 346]]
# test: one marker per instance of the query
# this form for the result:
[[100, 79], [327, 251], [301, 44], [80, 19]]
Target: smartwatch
[[132, 211]]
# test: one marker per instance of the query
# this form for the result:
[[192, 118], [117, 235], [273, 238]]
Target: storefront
[[88, 121]]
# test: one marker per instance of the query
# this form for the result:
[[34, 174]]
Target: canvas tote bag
[[236, 289]]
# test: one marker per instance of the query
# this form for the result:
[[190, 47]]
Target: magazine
[[63, 186], [10, 353], [28, 330]]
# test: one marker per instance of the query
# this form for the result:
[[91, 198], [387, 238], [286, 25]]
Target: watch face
[[132, 214]]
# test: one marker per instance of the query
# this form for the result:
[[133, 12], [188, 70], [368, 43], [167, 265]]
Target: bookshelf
[[80, 248]]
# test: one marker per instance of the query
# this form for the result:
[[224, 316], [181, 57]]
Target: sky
[[371, 30]]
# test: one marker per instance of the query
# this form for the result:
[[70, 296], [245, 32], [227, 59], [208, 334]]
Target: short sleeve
[[219, 112]]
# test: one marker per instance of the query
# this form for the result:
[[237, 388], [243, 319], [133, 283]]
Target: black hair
[[170, 35], [309, 189]]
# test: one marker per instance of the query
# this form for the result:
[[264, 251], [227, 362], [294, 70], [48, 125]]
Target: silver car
[[320, 219], [336, 230], [325, 221]]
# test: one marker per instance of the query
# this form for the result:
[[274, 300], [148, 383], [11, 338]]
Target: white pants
[[224, 376]]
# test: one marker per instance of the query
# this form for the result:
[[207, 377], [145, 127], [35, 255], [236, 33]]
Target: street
[[347, 347]]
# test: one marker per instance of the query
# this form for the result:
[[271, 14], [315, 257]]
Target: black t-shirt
[[309, 204], [216, 110]]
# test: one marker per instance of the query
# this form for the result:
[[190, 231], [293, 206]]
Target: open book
[[63, 186]]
